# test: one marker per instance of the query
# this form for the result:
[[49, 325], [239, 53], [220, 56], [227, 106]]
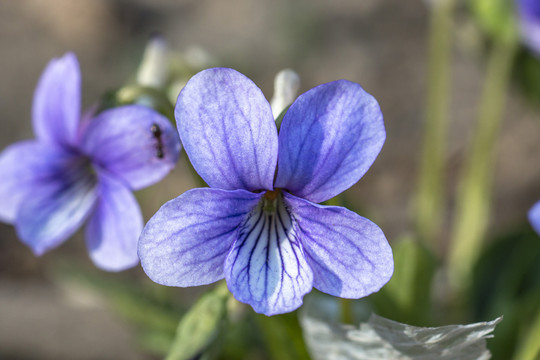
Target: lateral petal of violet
[[134, 143], [23, 167], [113, 230], [328, 139], [52, 212], [266, 267], [534, 217], [349, 255], [228, 131], [185, 243], [57, 102]]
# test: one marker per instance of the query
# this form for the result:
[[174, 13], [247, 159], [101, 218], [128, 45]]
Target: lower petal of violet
[[267, 268], [113, 230], [185, 243], [57, 207], [349, 255]]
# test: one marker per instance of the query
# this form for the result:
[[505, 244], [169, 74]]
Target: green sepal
[[280, 117]]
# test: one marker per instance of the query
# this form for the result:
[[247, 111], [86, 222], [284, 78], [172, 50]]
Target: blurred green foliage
[[407, 297], [507, 281], [495, 17]]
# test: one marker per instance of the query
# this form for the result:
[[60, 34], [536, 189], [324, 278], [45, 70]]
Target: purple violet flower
[[529, 13], [76, 170], [259, 225], [534, 217]]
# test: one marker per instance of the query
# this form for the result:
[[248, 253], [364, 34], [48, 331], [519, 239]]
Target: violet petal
[[56, 208], [23, 166], [349, 255], [266, 267], [529, 11], [133, 142], [113, 230], [185, 243], [57, 102], [534, 217], [228, 131], [328, 139]]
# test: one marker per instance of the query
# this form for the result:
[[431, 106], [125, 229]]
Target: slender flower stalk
[[474, 193], [430, 192], [529, 348], [259, 225]]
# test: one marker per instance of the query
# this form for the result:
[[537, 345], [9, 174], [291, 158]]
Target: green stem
[[430, 191], [530, 347], [346, 315], [473, 198]]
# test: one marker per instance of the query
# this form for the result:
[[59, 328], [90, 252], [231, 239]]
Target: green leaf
[[527, 73], [200, 325]]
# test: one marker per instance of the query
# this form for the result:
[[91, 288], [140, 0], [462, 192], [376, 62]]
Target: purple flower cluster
[[77, 170], [259, 225]]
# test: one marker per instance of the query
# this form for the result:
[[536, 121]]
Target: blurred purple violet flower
[[76, 170], [529, 13], [534, 217], [260, 230]]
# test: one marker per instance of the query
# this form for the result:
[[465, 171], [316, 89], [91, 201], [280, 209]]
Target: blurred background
[[45, 313]]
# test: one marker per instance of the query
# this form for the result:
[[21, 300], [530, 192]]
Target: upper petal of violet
[[57, 102], [328, 139], [112, 233], [228, 131], [349, 255], [134, 143], [185, 243]]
